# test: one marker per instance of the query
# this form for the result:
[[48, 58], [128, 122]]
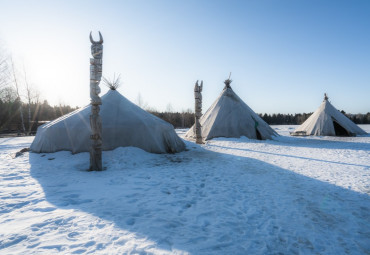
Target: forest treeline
[[37, 113], [21, 109], [34, 115], [186, 119]]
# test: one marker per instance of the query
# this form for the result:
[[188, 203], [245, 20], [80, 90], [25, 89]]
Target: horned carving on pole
[[198, 111], [96, 64]]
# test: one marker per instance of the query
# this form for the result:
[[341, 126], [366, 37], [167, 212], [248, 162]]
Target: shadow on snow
[[205, 202], [322, 142], [290, 156]]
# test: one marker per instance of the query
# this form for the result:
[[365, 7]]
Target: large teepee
[[229, 116], [328, 121], [123, 124]]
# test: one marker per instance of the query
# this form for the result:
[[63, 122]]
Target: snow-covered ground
[[290, 195]]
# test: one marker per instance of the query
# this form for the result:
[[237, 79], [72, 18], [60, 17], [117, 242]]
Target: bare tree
[[31, 94], [8, 95], [4, 77], [36, 112], [4, 70], [184, 115], [15, 81], [169, 107], [140, 102]]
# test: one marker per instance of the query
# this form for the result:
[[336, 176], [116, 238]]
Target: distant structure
[[229, 116], [96, 68], [328, 121], [198, 112]]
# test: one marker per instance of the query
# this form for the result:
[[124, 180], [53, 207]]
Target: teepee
[[123, 124], [328, 121], [229, 116]]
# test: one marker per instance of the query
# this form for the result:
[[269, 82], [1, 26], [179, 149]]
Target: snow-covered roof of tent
[[123, 124], [328, 121], [229, 116]]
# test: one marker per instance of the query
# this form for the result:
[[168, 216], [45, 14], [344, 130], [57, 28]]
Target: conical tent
[[229, 116], [123, 124], [328, 121]]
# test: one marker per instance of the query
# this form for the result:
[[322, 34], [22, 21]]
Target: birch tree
[[16, 85], [4, 70], [30, 95]]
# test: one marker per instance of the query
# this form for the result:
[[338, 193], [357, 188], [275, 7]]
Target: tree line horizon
[[40, 113]]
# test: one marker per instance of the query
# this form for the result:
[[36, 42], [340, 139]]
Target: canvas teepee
[[229, 116], [123, 124], [328, 121]]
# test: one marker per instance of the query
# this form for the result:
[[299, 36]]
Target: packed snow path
[[291, 195]]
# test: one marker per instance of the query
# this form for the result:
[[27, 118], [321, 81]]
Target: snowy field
[[290, 195]]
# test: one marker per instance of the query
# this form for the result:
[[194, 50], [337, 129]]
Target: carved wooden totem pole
[[95, 121], [198, 111]]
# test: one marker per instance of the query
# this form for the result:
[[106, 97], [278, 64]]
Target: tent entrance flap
[[258, 135], [339, 130]]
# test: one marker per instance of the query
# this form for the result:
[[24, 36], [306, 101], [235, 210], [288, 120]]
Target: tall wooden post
[[198, 112], [96, 65]]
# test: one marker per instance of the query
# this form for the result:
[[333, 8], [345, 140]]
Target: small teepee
[[123, 124], [328, 121], [229, 116]]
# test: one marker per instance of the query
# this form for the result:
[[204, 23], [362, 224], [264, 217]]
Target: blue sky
[[283, 55]]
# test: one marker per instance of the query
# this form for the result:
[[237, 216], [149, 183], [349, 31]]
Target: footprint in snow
[[12, 241], [73, 235], [45, 209], [130, 221], [90, 243], [79, 251]]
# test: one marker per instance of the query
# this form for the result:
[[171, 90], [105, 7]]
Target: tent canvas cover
[[229, 116], [328, 121], [123, 124]]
